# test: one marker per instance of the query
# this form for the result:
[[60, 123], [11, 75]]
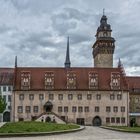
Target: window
[[9, 107], [122, 120], [70, 96], [80, 109], [98, 96], [93, 80], [65, 108], [60, 96], [20, 109], [49, 80], [119, 96], [115, 108], [4, 88], [112, 120], [108, 109], [9, 98], [117, 120], [74, 109], [21, 97], [31, 97], [79, 96], [35, 109], [96, 108], [51, 96], [89, 96], [9, 88], [122, 108], [41, 96], [25, 80], [28, 109], [107, 120], [112, 96], [86, 109], [60, 109], [115, 81], [4, 98], [71, 80]]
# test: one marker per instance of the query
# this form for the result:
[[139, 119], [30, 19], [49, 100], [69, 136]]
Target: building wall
[[103, 60], [6, 91], [65, 102], [135, 107]]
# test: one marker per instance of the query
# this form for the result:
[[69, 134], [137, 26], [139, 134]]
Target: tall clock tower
[[104, 46]]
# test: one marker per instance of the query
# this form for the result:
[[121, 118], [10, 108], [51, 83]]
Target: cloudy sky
[[36, 31]]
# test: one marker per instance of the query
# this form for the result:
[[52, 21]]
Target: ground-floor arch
[[97, 121], [6, 116]]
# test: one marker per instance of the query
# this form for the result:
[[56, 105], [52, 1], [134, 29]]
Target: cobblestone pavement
[[90, 133]]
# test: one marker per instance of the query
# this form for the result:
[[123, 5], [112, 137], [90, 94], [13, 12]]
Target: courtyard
[[90, 133]]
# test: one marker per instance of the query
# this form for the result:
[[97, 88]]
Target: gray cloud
[[36, 31]]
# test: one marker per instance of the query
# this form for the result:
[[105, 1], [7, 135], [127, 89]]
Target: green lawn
[[24, 127], [125, 128]]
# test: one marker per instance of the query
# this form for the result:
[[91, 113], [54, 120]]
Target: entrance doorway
[[48, 119], [97, 121], [48, 106], [80, 121], [6, 116]]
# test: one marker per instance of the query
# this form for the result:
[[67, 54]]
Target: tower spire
[[67, 61], [103, 11], [15, 61], [119, 63]]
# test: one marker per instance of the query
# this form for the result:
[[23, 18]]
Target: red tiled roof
[[6, 76], [60, 77], [134, 82]]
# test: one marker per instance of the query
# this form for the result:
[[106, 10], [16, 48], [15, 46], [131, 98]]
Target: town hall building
[[96, 95]]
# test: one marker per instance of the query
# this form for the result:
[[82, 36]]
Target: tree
[[2, 107]]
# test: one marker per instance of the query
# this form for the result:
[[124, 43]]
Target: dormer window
[[49, 80], [71, 80], [93, 80], [25, 80], [115, 81]]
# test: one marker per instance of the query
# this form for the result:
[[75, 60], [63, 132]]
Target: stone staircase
[[50, 117]]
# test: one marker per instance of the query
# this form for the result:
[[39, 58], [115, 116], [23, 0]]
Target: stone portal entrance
[[48, 106], [97, 121], [48, 119], [6, 116]]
